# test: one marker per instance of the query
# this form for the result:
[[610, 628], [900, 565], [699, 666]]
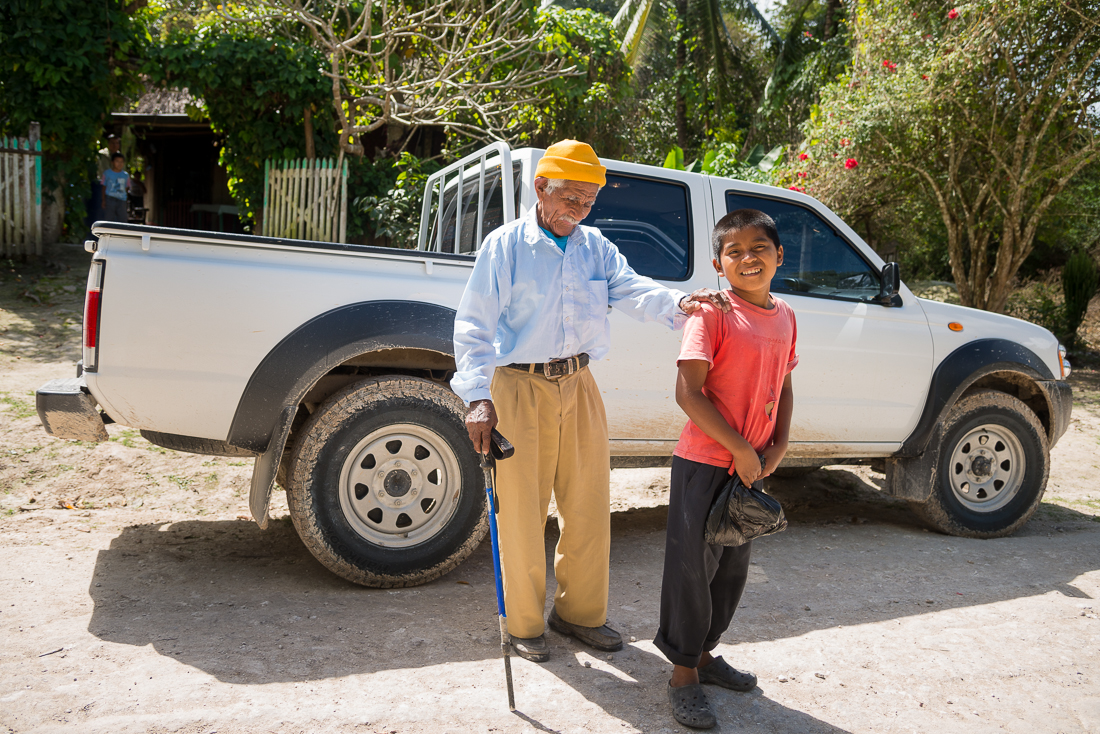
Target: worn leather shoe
[[534, 649], [602, 637]]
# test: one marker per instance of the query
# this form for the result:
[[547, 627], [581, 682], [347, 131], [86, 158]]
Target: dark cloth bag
[[740, 514]]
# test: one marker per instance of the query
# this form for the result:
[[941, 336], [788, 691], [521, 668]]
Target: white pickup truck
[[330, 364]]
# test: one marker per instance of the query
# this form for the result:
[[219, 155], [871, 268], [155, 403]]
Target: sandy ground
[[135, 596]]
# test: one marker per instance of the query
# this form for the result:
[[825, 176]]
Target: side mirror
[[889, 285]]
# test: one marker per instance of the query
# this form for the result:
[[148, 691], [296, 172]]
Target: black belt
[[553, 368]]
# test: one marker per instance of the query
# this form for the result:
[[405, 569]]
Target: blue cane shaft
[[496, 545]]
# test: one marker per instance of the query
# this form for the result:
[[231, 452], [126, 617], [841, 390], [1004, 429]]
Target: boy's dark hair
[[738, 220], [116, 155]]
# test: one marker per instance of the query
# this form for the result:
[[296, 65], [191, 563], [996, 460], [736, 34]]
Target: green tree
[[696, 65], [986, 111], [256, 92], [468, 65], [594, 104], [67, 64]]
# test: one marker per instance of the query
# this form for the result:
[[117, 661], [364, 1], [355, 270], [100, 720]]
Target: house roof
[[161, 106]]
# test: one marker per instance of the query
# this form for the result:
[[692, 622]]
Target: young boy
[[734, 383], [116, 184]]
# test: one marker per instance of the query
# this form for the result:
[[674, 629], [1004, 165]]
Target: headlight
[[1066, 369]]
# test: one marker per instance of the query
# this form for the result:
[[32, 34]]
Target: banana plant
[[632, 22], [722, 161]]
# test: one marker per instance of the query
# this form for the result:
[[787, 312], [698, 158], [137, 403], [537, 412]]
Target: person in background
[[116, 190], [137, 196], [103, 164]]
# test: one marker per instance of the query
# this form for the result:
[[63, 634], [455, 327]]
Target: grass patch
[[182, 482], [18, 407], [133, 439]]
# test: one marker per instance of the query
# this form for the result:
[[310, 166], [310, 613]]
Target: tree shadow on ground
[[44, 300]]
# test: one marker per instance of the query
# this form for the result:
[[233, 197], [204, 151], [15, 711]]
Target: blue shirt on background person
[[116, 183]]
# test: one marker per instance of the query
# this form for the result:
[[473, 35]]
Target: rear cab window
[[649, 220]]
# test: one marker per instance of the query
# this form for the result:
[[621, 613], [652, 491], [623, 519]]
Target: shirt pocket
[[596, 297]]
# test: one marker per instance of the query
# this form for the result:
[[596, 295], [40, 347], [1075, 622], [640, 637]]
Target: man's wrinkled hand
[[480, 421], [690, 302]]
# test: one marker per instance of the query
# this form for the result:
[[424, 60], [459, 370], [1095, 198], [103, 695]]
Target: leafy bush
[[1079, 281], [1039, 303], [66, 64], [396, 215]]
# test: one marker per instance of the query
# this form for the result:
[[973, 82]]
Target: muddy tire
[[991, 469], [383, 483]]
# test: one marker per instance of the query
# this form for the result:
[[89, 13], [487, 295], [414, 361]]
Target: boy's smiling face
[[749, 260]]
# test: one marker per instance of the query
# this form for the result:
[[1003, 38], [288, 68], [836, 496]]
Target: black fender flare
[[961, 369], [305, 355]]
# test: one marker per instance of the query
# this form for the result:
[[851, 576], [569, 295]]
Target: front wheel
[[991, 470], [383, 486]]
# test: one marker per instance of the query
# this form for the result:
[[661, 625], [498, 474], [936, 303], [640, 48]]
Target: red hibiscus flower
[[850, 163], [802, 156], [797, 188], [889, 65], [952, 13], [802, 174]]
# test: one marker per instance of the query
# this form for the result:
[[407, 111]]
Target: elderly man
[[534, 313]]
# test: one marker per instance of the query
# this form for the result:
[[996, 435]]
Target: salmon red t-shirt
[[750, 351]]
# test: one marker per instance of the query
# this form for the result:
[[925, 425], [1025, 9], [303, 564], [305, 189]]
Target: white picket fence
[[21, 195], [306, 199]]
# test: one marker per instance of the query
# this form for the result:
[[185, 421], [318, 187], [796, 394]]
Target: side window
[[816, 260], [492, 218], [649, 221]]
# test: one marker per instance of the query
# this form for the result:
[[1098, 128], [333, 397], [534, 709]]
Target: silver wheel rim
[[987, 468], [400, 485]]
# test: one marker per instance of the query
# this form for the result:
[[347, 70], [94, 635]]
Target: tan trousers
[[559, 429]]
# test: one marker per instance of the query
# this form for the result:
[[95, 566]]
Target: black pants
[[702, 583]]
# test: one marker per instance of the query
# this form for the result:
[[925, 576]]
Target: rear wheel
[[383, 484], [992, 468]]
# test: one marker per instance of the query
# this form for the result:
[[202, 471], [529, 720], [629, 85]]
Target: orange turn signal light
[[955, 326]]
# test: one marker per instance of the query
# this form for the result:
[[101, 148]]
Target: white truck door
[[864, 368], [660, 223]]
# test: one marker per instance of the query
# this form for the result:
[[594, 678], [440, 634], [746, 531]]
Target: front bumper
[[1059, 397], [67, 410]]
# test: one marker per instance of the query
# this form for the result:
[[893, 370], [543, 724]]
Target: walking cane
[[501, 449]]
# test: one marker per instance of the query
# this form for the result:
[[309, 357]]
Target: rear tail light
[[92, 302]]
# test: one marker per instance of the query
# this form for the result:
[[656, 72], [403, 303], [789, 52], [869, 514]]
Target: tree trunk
[[681, 71], [831, 8], [311, 153]]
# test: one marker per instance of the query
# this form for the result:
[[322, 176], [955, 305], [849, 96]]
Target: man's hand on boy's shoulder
[[692, 302]]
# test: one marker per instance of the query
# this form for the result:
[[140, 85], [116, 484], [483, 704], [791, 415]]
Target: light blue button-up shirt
[[527, 301]]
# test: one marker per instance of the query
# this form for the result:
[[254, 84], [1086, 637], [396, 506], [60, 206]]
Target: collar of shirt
[[534, 233]]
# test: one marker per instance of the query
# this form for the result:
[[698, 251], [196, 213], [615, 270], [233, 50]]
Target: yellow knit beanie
[[572, 161]]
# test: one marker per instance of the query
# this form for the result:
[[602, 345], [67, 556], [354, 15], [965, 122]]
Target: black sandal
[[721, 673], [690, 706]]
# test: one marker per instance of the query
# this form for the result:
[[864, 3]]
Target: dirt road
[[152, 606]]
